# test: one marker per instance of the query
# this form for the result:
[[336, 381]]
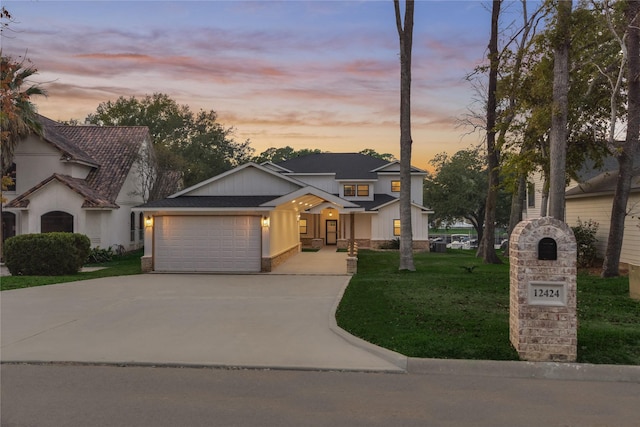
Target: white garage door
[[207, 243]]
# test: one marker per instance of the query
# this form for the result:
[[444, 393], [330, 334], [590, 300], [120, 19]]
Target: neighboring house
[[591, 198], [254, 217], [82, 179]]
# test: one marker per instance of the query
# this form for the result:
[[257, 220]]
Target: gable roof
[[236, 170], [602, 184], [92, 198], [69, 150], [110, 151], [115, 148], [343, 165]]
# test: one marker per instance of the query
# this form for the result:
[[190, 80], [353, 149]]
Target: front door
[[331, 228]]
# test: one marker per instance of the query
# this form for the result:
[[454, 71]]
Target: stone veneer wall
[[146, 264], [268, 264], [542, 332]]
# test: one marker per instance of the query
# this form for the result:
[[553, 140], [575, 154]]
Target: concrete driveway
[[274, 321]]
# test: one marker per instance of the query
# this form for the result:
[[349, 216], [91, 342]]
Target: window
[[360, 190], [133, 226], [11, 173], [141, 226], [395, 186], [56, 221], [396, 227], [531, 195], [303, 226]]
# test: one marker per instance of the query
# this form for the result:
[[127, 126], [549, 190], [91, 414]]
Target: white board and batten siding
[[207, 244], [247, 182]]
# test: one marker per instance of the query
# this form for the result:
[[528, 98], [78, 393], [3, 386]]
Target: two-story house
[[253, 217], [83, 179]]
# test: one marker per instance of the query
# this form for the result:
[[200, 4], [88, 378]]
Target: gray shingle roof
[[604, 183], [344, 165], [209, 202], [378, 200]]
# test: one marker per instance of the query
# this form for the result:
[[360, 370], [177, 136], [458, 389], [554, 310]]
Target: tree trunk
[[486, 248], [406, 40], [559, 111], [610, 266], [517, 205]]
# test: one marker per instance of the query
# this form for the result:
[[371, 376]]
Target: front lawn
[[444, 311], [123, 265]]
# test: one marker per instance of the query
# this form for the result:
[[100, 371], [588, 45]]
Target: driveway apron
[[266, 320]]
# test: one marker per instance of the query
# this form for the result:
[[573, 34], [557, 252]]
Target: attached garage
[[207, 243]]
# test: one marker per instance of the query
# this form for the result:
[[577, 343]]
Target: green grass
[[443, 311], [124, 265]]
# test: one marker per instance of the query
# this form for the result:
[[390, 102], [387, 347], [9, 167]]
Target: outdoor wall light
[[265, 221], [148, 221]]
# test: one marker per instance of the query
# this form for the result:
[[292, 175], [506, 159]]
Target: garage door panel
[[207, 244]]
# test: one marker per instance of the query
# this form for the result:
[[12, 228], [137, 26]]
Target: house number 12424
[[546, 293]]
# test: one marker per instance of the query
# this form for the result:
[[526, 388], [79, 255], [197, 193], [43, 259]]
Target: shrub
[[98, 255], [391, 244], [585, 233], [47, 254]]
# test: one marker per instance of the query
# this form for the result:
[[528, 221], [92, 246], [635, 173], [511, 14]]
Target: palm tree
[[18, 116]]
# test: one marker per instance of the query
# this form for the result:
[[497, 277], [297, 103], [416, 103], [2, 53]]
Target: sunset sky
[[308, 74]]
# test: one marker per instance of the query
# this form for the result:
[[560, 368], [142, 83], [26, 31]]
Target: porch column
[[352, 240]]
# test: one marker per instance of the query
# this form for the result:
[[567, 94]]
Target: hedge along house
[[254, 217], [82, 179]]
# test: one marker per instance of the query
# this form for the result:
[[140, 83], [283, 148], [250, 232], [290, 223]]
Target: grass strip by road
[[122, 265], [456, 307]]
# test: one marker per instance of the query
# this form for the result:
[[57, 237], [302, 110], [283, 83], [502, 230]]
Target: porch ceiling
[[303, 203]]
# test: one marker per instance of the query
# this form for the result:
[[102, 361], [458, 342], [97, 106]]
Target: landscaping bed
[[120, 265], [454, 306]]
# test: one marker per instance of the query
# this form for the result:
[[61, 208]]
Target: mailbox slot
[[547, 249]]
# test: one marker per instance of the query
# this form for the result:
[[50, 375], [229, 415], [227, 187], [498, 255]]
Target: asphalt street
[[105, 396]]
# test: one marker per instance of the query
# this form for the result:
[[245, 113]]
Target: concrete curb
[[397, 359], [515, 369]]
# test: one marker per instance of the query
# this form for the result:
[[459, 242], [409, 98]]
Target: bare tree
[[405, 34], [560, 109], [630, 45], [487, 248]]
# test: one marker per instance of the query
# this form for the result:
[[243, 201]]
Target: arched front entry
[[8, 225], [56, 221]]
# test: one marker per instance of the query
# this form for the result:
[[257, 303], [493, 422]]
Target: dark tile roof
[[168, 182], [115, 149], [92, 199], [209, 202], [344, 165], [68, 149], [109, 150]]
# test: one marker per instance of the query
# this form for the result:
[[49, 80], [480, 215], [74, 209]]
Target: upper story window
[[395, 186], [360, 190], [11, 173]]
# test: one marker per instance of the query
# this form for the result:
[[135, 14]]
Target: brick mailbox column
[[543, 320]]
